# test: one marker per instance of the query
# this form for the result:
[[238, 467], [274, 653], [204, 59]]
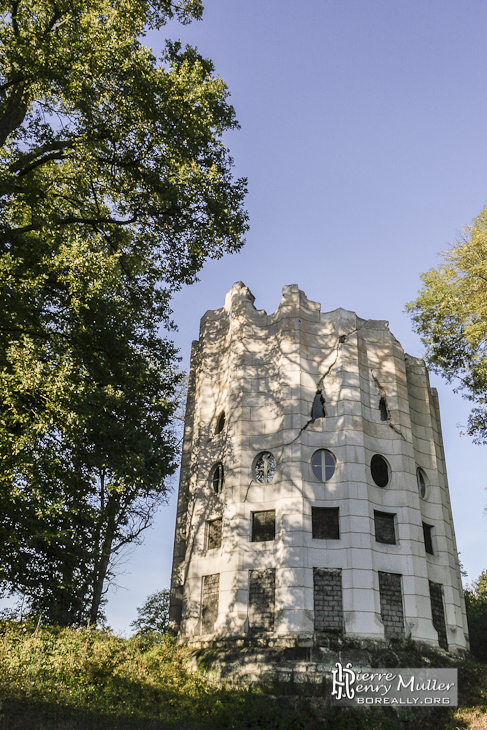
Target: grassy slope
[[63, 679]]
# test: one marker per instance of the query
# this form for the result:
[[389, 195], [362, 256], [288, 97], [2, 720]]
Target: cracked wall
[[264, 373]]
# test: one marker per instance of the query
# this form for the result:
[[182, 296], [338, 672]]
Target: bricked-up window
[[384, 527], [421, 479], [325, 523], [323, 465], [384, 412], [428, 538], [217, 478], [391, 604], [263, 526], [209, 602], [438, 613], [318, 409], [262, 591], [379, 470], [265, 468], [214, 533], [327, 599], [220, 423]]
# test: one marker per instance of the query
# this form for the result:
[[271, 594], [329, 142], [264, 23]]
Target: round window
[[380, 470], [217, 478], [421, 479], [323, 464], [265, 468]]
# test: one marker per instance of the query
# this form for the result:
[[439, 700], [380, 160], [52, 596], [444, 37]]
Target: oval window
[[421, 479], [265, 468], [217, 478], [380, 470], [323, 464]]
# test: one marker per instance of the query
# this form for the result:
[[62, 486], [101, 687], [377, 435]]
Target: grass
[[66, 679]]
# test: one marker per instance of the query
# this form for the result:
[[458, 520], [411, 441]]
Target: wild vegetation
[[74, 679]]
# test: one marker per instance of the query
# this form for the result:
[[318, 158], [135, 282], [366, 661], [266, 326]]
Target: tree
[[450, 315], [476, 605], [115, 187], [153, 615]]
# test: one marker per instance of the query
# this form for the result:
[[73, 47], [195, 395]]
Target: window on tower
[[323, 465], [265, 468], [217, 478]]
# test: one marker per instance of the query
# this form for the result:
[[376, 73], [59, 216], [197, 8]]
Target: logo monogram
[[342, 681]]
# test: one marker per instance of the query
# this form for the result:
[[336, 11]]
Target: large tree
[[115, 187], [450, 315]]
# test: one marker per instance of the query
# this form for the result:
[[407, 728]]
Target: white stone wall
[[263, 372]]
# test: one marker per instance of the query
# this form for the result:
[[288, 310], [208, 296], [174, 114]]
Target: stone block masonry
[[327, 600], [262, 590], [209, 602], [391, 610]]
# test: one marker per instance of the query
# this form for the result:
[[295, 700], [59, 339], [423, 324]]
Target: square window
[[384, 527], [263, 526], [214, 534], [428, 538], [325, 523]]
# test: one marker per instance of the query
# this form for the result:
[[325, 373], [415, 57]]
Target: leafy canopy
[[153, 615], [115, 187], [450, 315]]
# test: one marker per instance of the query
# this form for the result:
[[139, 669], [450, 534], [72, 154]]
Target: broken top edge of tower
[[294, 301]]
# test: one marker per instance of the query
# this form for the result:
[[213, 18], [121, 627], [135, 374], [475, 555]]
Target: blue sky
[[364, 140]]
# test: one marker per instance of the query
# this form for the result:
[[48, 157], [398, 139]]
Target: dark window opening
[[384, 412], [318, 409], [265, 468], [220, 424], [380, 470], [428, 538], [214, 534], [325, 523], [384, 527], [217, 478], [263, 526], [421, 482]]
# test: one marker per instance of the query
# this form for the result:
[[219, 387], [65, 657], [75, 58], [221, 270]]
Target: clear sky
[[364, 140]]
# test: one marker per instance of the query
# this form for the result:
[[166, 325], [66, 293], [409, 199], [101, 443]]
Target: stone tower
[[313, 494]]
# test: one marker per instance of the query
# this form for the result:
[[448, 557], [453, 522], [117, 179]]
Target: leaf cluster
[[450, 315]]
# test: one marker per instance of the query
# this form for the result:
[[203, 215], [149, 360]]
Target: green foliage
[[153, 615], [476, 605], [65, 679], [450, 315], [115, 188]]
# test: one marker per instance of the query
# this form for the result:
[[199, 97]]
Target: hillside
[[67, 679]]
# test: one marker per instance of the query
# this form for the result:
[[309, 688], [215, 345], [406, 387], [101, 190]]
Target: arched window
[[384, 411], [217, 478], [265, 468], [318, 409], [220, 424], [323, 464], [380, 470], [421, 479]]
